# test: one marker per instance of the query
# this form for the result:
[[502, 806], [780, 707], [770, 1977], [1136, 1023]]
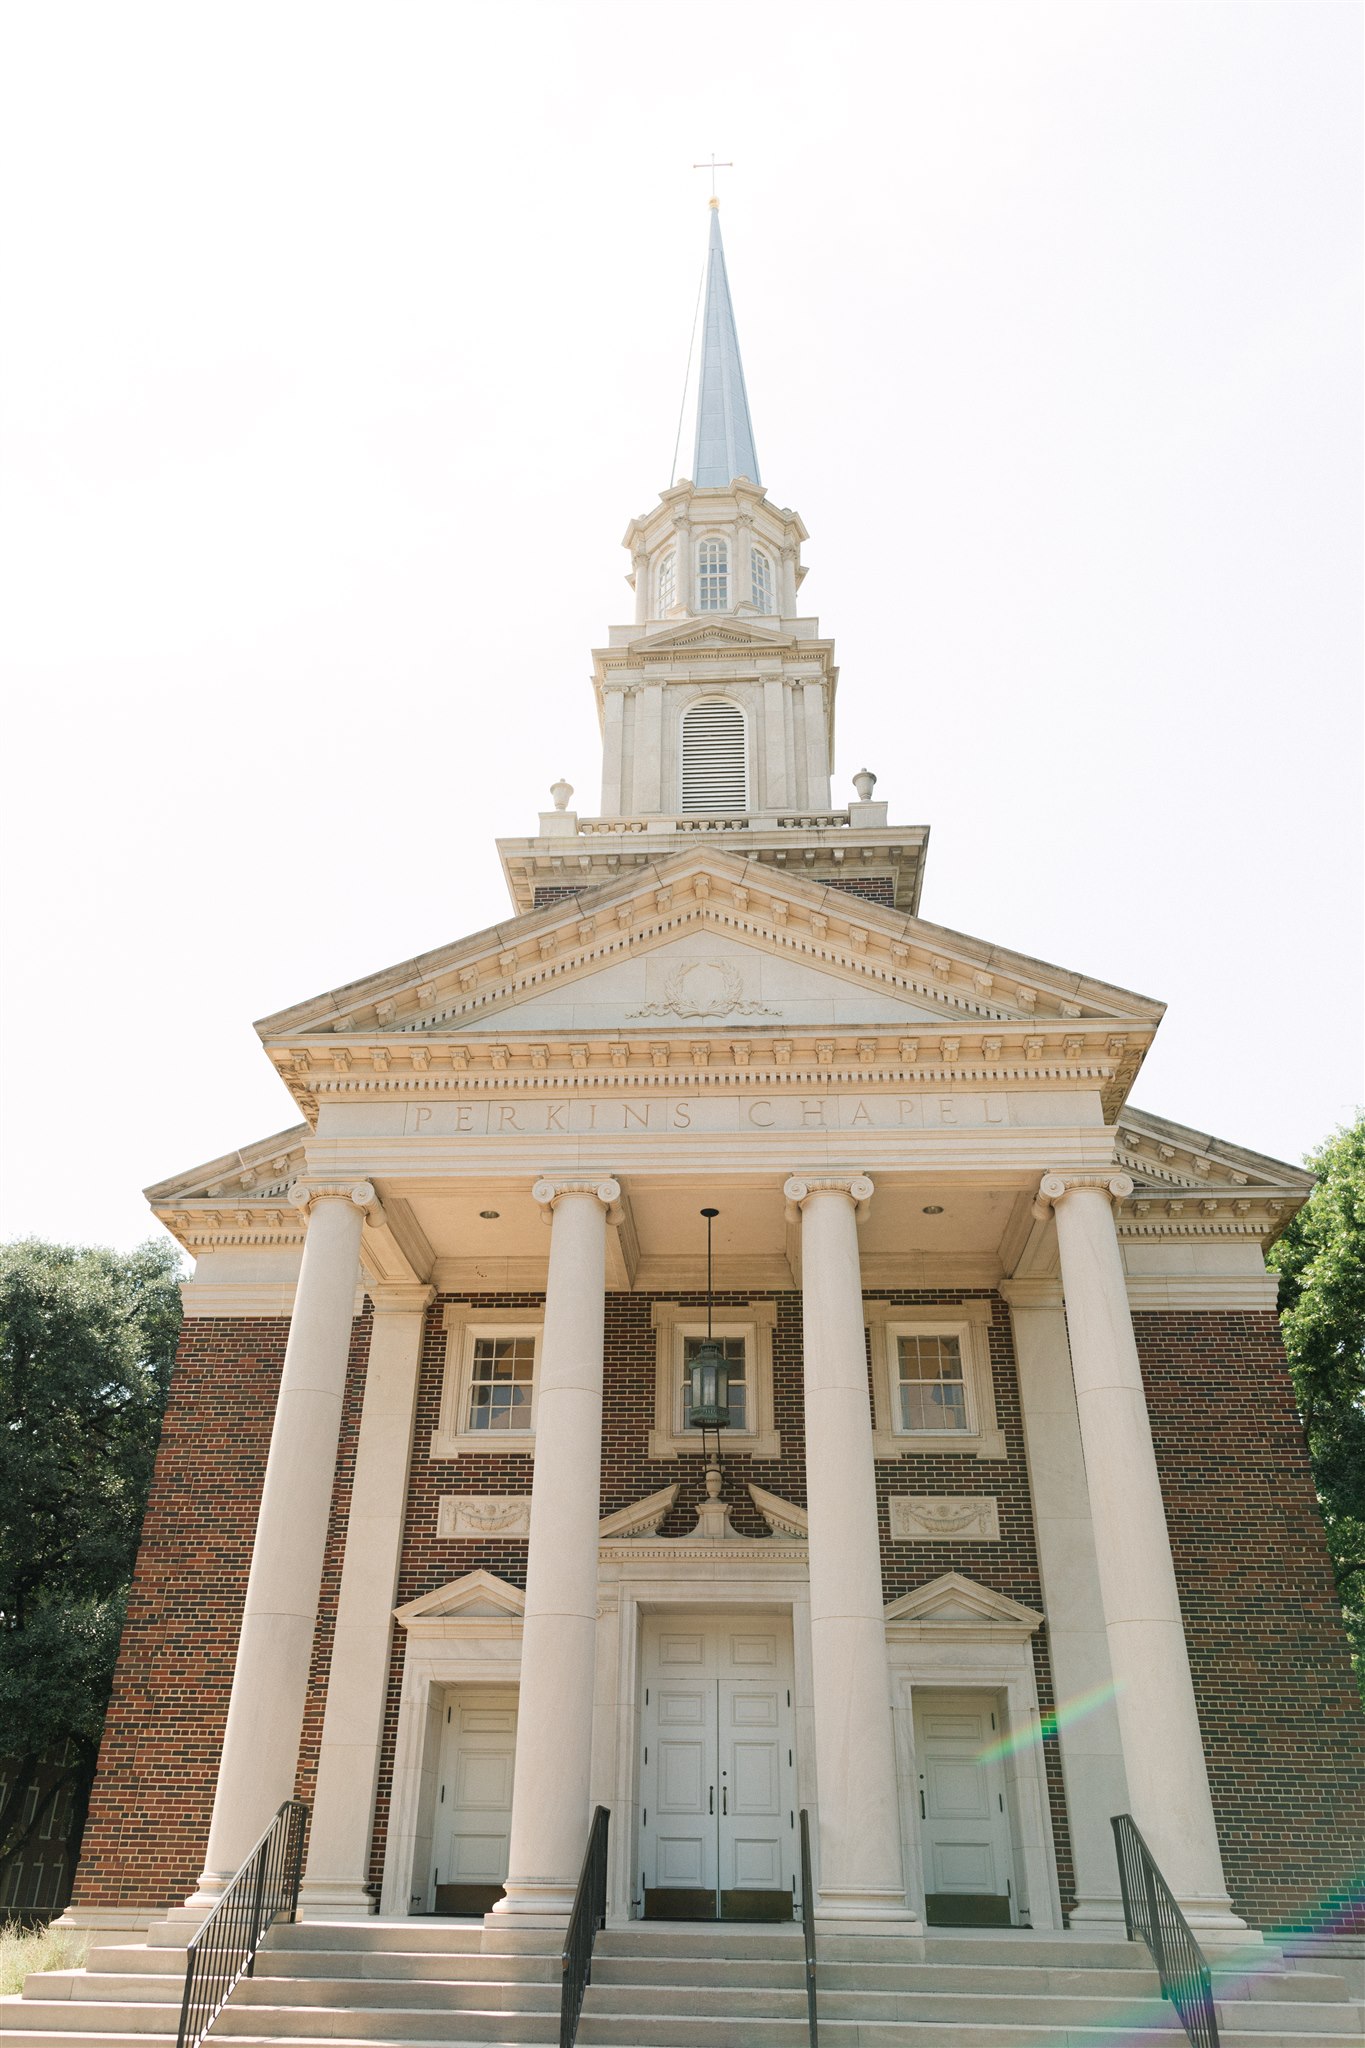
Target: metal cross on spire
[[713, 167]]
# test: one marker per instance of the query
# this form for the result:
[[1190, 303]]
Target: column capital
[[1037, 1293], [401, 1300], [801, 1186], [304, 1193], [607, 1191], [1054, 1187]]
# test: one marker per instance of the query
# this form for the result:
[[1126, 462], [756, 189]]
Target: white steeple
[[716, 702]]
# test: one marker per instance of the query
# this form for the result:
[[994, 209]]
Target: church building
[[717, 1344]]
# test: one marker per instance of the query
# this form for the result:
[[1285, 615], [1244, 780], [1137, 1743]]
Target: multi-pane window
[[500, 1383], [762, 581], [713, 576], [667, 583], [733, 1350], [932, 1388]]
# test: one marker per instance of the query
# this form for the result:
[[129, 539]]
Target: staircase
[[655, 1985]]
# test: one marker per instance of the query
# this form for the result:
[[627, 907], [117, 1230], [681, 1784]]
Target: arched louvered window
[[762, 582], [667, 586], [713, 576], [713, 757]]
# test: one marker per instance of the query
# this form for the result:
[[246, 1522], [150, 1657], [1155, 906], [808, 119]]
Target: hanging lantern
[[709, 1402], [708, 1405]]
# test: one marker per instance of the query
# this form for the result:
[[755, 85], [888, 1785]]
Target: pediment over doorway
[[958, 1609], [478, 1596]]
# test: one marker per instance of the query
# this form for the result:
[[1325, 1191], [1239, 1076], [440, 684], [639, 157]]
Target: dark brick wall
[[153, 1791], [874, 888], [628, 1474], [553, 892], [1281, 1715]]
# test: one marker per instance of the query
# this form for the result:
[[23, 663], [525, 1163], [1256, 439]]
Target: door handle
[[921, 1806], [725, 1799], [711, 1799]]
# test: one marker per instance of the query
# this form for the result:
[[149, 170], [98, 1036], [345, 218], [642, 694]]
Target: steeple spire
[[725, 435]]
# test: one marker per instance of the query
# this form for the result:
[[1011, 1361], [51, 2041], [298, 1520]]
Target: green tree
[[1321, 1263], [87, 1340]]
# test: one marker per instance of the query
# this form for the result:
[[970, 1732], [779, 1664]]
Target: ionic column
[[640, 564], [1163, 1751], [614, 798], [334, 1884], [550, 1790], [861, 1876], [1078, 1649], [270, 1681]]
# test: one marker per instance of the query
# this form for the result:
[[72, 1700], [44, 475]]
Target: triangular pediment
[[689, 633], [957, 1606], [642, 1517], [743, 949], [478, 1596]]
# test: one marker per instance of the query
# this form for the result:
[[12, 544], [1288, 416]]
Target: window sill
[[991, 1445], [480, 1443], [663, 1444]]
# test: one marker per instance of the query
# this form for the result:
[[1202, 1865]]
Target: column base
[[866, 1913], [322, 1901], [1214, 1924], [1098, 1912], [534, 1902]]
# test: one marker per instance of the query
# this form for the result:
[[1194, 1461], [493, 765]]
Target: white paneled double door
[[718, 1782]]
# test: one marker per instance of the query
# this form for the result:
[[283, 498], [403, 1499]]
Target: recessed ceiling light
[[932, 1209], [490, 1215]]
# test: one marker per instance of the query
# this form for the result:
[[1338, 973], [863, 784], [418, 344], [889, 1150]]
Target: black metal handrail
[[1150, 1910], [589, 1913], [808, 1929], [265, 1889]]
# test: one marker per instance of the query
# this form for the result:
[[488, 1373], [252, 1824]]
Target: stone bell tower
[[716, 702]]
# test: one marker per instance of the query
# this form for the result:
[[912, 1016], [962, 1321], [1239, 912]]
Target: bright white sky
[[341, 341]]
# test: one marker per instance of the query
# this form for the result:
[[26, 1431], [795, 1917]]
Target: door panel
[[474, 1801], [964, 1828], [717, 1797]]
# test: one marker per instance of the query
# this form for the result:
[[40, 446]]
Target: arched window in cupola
[[714, 757], [762, 581], [666, 584], [713, 576]]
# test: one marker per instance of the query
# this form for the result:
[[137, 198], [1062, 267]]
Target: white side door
[[679, 1778], [757, 1795], [964, 1826], [474, 1794]]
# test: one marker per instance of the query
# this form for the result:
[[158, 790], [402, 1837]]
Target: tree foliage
[[1321, 1263], [87, 1340]]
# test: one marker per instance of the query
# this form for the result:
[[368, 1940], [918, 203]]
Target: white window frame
[[673, 1325], [721, 541], [762, 600], [969, 1322], [464, 1326]]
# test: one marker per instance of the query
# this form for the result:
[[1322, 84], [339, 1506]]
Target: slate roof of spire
[[725, 435]]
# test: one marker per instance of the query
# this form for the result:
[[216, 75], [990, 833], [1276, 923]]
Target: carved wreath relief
[[704, 988], [957, 1518]]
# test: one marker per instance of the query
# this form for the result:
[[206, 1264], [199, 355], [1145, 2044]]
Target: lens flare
[[1044, 1728]]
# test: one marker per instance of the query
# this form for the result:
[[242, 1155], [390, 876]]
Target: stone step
[[65, 2016], [436, 1937], [490, 2019], [1135, 1982], [383, 1966], [358, 1994]]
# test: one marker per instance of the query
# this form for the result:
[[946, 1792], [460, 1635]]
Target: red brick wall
[[153, 1793], [1281, 1715], [628, 1474]]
